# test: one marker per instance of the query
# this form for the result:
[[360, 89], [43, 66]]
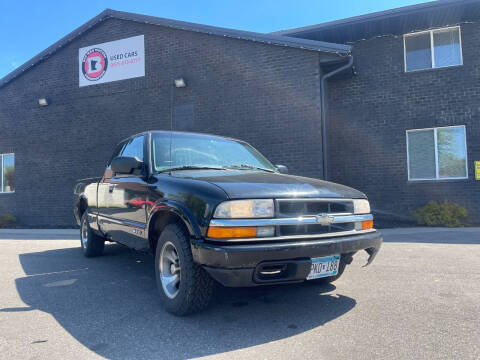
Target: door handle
[[111, 187]]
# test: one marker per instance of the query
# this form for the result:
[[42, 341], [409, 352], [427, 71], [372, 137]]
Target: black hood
[[261, 184]]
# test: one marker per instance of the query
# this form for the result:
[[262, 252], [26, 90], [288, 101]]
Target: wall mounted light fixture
[[43, 101], [180, 83]]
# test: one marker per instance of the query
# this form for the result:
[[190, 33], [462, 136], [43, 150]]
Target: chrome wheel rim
[[84, 233], [170, 270]]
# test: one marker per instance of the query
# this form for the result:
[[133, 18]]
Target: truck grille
[[310, 207], [303, 219], [287, 230], [292, 208]]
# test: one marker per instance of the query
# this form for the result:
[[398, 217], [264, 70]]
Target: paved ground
[[420, 299]]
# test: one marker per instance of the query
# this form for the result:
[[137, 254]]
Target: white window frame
[[1, 171], [432, 48], [437, 175]]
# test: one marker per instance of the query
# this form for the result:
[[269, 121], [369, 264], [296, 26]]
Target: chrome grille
[[310, 207], [304, 219], [286, 230], [288, 208]]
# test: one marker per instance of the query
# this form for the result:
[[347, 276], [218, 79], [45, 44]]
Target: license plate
[[324, 266]]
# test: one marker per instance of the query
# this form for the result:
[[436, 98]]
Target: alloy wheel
[[84, 233], [170, 270]]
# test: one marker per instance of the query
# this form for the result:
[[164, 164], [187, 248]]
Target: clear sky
[[29, 26]]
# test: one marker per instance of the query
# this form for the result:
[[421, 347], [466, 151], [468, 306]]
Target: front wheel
[[184, 286], [91, 243]]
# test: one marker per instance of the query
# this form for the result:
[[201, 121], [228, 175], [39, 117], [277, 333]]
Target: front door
[[125, 211]]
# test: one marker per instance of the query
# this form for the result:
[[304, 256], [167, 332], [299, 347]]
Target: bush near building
[[7, 220], [441, 214]]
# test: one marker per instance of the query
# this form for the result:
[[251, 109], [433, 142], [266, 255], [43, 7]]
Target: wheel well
[[158, 223]]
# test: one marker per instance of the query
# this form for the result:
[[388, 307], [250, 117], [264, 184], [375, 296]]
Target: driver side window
[[134, 148], [116, 153]]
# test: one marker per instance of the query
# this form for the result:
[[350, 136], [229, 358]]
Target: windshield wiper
[[249, 167], [192, 167]]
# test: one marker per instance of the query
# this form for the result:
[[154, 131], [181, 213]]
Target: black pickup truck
[[214, 209]]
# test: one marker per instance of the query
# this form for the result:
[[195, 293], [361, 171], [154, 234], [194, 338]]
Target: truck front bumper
[[241, 265]]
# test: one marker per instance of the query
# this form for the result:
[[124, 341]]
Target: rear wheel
[[92, 244], [184, 286]]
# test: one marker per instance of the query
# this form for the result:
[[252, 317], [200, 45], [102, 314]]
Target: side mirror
[[282, 169], [125, 164]]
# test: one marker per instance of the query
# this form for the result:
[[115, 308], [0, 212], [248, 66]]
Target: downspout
[[324, 111]]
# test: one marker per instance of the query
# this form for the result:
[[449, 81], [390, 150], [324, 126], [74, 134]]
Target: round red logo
[[94, 64]]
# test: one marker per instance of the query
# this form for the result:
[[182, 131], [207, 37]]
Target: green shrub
[[444, 214], [7, 220]]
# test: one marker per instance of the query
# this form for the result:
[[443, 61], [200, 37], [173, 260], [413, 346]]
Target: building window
[[433, 49], [437, 153], [7, 166]]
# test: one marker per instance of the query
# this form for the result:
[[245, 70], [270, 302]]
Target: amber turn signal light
[[221, 232], [366, 225]]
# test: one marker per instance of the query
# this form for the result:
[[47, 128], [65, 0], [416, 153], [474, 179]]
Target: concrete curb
[[55, 232], [426, 230]]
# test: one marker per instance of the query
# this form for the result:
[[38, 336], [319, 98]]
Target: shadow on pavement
[[110, 305], [433, 235]]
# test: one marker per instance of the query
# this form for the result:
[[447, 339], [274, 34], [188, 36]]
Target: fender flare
[[179, 210]]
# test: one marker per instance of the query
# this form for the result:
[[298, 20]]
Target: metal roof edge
[[271, 39], [239, 34], [404, 10]]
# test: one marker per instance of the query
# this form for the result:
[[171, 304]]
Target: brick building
[[416, 77], [381, 78]]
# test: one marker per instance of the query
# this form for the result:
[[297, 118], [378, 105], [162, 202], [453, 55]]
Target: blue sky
[[29, 26]]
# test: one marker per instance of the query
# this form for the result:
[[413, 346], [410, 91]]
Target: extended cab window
[[134, 148]]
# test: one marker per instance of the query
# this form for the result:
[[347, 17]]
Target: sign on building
[[111, 61], [477, 170]]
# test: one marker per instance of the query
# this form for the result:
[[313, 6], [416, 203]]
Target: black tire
[[91, 243], [194, 291], [330, 279]]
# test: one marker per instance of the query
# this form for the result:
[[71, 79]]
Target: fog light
[[265, 231]]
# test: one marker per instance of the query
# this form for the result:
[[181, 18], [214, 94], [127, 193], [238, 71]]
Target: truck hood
[[260, 184]]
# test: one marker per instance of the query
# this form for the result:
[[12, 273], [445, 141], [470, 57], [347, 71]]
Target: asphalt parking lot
[[420, 299]]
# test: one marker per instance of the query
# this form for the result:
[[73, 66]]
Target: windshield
[[204, 151]]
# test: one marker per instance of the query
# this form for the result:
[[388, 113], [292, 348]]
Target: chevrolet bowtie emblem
[[324, 219]]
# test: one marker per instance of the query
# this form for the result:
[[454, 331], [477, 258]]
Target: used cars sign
[[111, 61]]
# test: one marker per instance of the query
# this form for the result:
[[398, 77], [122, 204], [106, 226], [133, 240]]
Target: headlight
[[361, 206], [241, 209]]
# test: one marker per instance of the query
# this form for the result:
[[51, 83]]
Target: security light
[[180, 83], [42, 102]]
